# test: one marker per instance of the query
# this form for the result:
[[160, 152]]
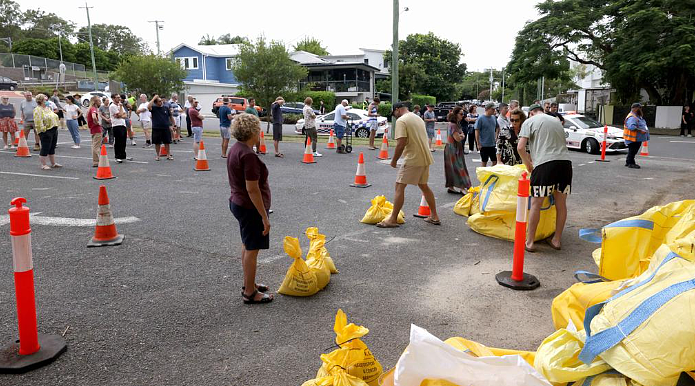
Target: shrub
[[291, 119], [384, 109], [423, 100], [328, 98]]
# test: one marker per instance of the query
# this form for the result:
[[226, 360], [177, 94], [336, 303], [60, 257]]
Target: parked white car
[[84, 101], [586, 134], [358, 119]]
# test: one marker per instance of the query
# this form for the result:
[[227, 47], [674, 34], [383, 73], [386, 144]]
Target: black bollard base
[[13, 363], [528, 283], [602, 160]]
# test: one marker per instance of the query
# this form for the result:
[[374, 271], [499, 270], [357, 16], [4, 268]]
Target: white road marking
[[271, 259], [682, 141], [39, 175], [41, 188], [89, 158], [342, 201], [477, 160], [648, 178], [66, 221], [582, 164], [590, 162], [449, 204]]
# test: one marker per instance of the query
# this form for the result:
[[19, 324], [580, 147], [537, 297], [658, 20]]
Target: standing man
[[372, 113], [176, 113], [339, 124], [186, 106], [553, 107], [504, 129], [546, 107], [145, 119], [310, 125], [226, 116], [118, 128], [55, 99], [430, 119], [251, 108], [276, 111], [551, 171], [411, 143], [486, 131], [513, 104], [95, 128], [322, 109], [26, 109], [162, 121], [635, 132], [106, 121], [128, 107]]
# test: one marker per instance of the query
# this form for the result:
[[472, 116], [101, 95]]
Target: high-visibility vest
[[629, 135]]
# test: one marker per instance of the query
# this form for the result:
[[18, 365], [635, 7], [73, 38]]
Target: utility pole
[[158, 27], [543, 88], [491, 79], [394, 62], [502, 86], [9, 41], [91, 47]]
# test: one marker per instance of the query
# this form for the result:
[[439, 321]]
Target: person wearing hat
[[635, 132], [486, 132], [550, 168], [411, 144]]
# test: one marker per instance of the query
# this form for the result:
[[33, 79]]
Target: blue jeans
[[74, 130]]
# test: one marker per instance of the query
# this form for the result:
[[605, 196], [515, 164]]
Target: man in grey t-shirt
[[430, 119], [26, 109], [551, 170]]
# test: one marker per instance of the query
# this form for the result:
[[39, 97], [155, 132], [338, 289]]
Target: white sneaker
[[5, 148], [75, 146], [317, 154], [133, 143], [690, 135]]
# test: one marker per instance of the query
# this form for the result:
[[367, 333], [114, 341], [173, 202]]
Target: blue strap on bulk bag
[[489, 190], [634, 223]]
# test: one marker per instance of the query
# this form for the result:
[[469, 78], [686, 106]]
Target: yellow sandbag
[[647, 331], [480, 350], [337, 377], [499, 187], [573, 302], [299, 280], [437, 382], [318, 266], [353, 355], [317, 246], [501, 225], [468, 204], [556, 358], [379, 210], [628, 245], [606, 380]]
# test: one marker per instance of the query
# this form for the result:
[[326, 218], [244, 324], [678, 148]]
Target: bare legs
[[535, 215], [225, 145], [249, 264], [399, 197]]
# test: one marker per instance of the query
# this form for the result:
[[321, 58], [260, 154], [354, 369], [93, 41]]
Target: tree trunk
[[678, 90], [654, 96]]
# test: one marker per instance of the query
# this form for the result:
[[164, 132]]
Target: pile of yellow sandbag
[[491, 207], [305, 278], [351, 363], [379, 210]]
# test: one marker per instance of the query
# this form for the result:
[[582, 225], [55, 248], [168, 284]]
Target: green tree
[[266, 71], [151, 74], [312, 45], [41, 25], [638, 44], [10, 23], [228, 39], [116, 38], [207, 40], [439, 61]]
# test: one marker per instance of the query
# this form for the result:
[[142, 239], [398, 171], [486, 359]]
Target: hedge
[[328, 98], [423, 100]]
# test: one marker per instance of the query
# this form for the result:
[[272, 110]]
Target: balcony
[[337, 86]]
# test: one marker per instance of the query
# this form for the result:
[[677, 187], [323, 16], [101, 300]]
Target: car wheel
[[591, 146], [11, 88], [85, 103], [362, 133]]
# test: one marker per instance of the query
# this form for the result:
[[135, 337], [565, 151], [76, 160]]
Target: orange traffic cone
[[384, 151], [439, 138], [105, 233], [645, 148], [163, 151], [104, 170], [262, 149], [361, 175], [201, 165], [17, 134], [308, 155], [22, 148], [331, 141], [424, 209]]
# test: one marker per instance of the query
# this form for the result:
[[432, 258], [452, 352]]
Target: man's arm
[[477, 138], [525, 157], [400, 146], [149, 105]]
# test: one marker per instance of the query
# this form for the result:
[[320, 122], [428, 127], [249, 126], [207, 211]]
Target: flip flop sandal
[[260, 287], [452, 191], [432, 221], [549, 241], [251, 299], [45, 167], [55, 166], [280, 155], [531, 250], [156, 158], [385, 225], [170, 158]]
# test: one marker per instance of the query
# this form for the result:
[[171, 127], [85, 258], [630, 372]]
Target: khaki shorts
[[28, 126], [413, 175], [146, 124]]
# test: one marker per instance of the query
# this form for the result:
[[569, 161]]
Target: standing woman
[[686, 121], [106, 121], [7, 122], [455, 169], [310, 125], [635, 132], [46, 124], [249, 202], [471, 118], [508, 140], [71, 113]]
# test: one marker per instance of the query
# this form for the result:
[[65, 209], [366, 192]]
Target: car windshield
[[586, 123], [237, 101], [329, 117]]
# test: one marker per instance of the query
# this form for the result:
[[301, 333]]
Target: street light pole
[[503, 86], [394, 61], [156, 24], [91, 47], [491, 79]]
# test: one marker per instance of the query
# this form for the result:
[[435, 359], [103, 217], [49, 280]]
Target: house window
[[229, 63], [366, 61], [188, 62]]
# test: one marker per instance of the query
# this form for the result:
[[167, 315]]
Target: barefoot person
[[411, 143], [551, 170], [249, 202]]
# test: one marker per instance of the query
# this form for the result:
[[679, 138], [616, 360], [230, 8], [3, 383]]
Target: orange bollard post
[[517, 279], [438, 138], [35, 350], [261, 147], [603, 145]]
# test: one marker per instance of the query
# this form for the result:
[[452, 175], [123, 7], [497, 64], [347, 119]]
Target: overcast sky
[[485, 31]]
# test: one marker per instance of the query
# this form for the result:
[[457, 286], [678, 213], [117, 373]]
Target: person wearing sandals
[[455, 170], [46, 123], [411, 144], [249, 202], [7, 122]]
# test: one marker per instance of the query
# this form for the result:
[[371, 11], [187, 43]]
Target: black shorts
[[277, 131], [251, 227], [161, 136], [60, 114], [488, 153], [551, 176]]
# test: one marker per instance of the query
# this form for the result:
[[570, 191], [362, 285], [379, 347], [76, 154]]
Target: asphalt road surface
[[164, 308]]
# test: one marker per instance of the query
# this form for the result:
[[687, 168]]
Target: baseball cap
[[489, 105], [535, 106], [635, 105], [398, 105]]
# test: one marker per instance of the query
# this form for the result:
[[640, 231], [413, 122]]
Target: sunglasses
[[515, 120]]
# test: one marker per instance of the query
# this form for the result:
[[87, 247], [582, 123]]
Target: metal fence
[[39, 68]]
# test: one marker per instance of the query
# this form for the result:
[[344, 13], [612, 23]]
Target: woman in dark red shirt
[[249, 202]]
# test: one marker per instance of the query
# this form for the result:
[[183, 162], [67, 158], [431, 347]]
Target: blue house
[[209, 71]]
